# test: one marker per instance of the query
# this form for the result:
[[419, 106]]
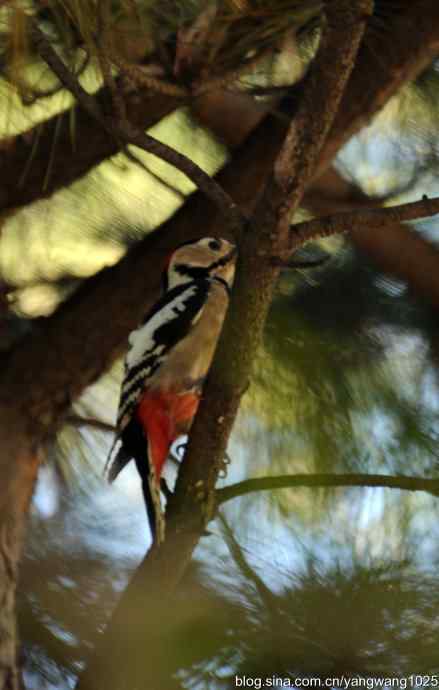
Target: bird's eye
[[215, 245]]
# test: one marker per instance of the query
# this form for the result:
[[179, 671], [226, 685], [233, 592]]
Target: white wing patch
[[142, 339]]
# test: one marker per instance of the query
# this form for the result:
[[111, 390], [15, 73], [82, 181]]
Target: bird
[[166, 364]]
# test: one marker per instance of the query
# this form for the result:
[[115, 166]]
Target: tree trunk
[[17, 452]]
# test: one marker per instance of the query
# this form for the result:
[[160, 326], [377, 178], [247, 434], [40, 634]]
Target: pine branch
[[314, 481], [254, 284], [359, 221], [127, 133], [396, 249], [202, 180]]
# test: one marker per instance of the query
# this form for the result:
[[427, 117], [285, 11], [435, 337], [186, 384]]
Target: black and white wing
[[165, 325]]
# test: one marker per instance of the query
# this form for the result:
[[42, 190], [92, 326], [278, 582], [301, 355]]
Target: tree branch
[[382, 68], [361, 220], [67, 78], [399, 251], [202, 180], [297, 160], [313, 481], [128, 134]]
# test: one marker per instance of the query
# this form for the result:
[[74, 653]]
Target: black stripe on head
[[164, 281], [200, 272], [193, 272], [224, 260]]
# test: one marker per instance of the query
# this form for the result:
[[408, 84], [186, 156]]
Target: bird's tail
[[152, 498], [135, 446]]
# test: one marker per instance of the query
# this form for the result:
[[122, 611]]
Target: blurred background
[[297, 581]]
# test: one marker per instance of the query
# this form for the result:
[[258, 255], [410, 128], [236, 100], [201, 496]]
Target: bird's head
[[210, 257]]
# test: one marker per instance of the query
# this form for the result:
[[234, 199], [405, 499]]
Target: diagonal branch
[[25, 155], [202, 180], [65, 76], [387, 60], [322, 94], [314, 481], [129, 134]]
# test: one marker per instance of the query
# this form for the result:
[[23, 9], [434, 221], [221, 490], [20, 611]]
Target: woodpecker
[[167, 361]]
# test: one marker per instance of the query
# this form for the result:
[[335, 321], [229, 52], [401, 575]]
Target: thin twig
[[67, 79], [139, 75], [129, 134], [36, 93], [105, 64], [140, 164], [207, 184], [349, 221], [314, 481]]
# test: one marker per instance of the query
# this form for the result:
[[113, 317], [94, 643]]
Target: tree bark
[[389, 58], [21, 457]]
